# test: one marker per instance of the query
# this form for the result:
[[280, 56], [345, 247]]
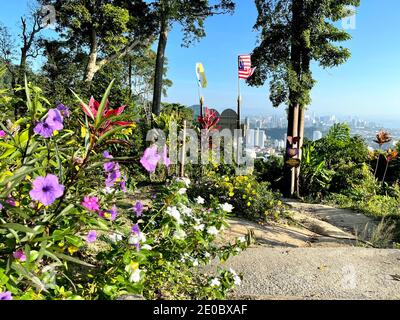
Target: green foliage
[[156, 257], [270, 170], [249, 198], [334, 163], [292, 34]]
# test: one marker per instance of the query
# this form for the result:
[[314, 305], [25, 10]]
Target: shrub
[[67, 226], [270, 170], [248, 197]]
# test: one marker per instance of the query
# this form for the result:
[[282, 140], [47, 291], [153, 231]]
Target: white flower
[[200, 200], [180, 234], [147, 247], [238, 250], [174, 212], [135, 276], [115, 237], [198, 221], [195, 263], [182, 191], [186, 181], [212, 230], [136, 239], [199, 227], [207, 255], [108, 190], [242, 239], [186, 211], [215, 282], [237, 280], [226, 207]]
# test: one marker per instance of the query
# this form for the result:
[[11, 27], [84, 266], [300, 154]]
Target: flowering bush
[[248, 197], [69, 230]]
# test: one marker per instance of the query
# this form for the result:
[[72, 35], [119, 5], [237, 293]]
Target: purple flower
[[113, 213], [150, 159], [136, 230], [46, 189], [1, 207], [11, 202], [138, 208], [91, 203], [64, 110], [19, 255], [44, 129], [164, 156], [113, 176], [2, 134], [123, 184], [107, 155], [91, 237], [109, 166], [137, 237], [55, 119], [5, 295]]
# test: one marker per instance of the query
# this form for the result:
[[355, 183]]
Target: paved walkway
[[318, 273], [290, 262]]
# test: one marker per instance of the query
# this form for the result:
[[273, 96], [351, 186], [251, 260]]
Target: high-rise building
[[250, 137], [257, 137], [262, 137]]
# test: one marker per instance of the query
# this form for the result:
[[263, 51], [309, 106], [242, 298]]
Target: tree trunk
[[290, 181], [300, 145], [130, 76], [91, 67], [159, 70]]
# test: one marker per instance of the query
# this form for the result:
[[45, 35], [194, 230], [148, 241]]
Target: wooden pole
[[183, 156]]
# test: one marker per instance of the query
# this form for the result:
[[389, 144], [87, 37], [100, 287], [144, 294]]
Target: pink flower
[[150, 159], [19, 255], [91, 203], [2, 134]]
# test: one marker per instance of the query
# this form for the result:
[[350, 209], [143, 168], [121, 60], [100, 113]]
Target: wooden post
[[183, 156]]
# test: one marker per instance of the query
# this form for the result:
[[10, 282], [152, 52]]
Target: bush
[[248, 197], [270, 170], [68, 228]]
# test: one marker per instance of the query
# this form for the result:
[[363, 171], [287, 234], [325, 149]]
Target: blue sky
[[368, 85]]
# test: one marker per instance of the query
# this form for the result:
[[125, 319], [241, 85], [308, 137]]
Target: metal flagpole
[[238, 116], [239, 97]]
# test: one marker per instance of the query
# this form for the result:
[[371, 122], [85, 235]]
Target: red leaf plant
[[108, 115]]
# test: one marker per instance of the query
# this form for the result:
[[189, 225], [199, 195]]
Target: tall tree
[[293, 33], [191, 15], [105, 30]]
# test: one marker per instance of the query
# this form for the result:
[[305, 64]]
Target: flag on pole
[[245, 69], [201, 76]]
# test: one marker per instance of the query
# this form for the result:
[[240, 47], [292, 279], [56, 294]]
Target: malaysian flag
[[245, 69]]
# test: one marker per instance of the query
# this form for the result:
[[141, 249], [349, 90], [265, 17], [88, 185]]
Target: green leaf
[[18, 174], [74, 260], [28, 95], [110, 133], [103, 104], [84, 105], [18, 227], [74, 240]]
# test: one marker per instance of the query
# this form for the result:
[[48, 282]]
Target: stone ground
[[317, 257]]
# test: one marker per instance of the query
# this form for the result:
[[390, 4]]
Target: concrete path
[[318, 273], [291, 262]]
